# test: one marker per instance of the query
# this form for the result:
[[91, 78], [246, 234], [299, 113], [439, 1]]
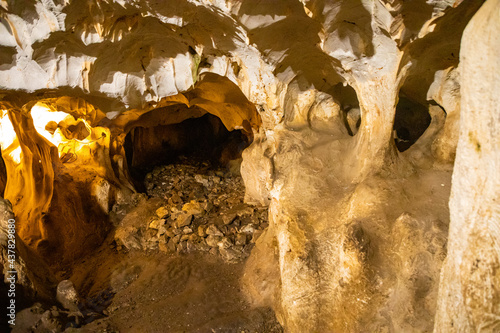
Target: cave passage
[[410, 122], [349, 103], [198, 139]]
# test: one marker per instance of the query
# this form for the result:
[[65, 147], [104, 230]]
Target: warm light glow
[[7, 133], [8, 138], [16, 154], [42, 116]]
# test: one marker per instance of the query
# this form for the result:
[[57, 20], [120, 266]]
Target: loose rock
[[203, 211], [212, 230]]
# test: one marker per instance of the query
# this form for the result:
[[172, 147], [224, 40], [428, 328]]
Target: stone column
[[469, 296]]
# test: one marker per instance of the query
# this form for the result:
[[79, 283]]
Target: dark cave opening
[[410, 122], [349, 104], [197, 139]]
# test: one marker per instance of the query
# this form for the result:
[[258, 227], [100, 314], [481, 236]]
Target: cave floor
[[148, 276], [180, 293]]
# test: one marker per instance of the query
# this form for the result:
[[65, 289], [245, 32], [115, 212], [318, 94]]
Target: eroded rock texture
[[353, 108], [469, 296]]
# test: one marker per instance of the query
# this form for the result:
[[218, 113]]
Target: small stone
[[212, 240], [201, 231], [212, 230], [176, 231], [230, 255], [190, 247], [183, 220], [228, 218], [171, 246], [163, 239], [176, 239], [162, 230], [49, 324], [162, 212], [248, 229], [163, 247], [155, 224], [247, 220], [194, 238], [128, 237], [241, 239], [182, 246], [202, 246], [193, 207], [184, 238], [67, 295], [224, 243], [152, 244], [207, 205], [243, 210], [187, 230], [200, 179]]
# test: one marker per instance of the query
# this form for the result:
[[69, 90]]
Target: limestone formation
[[362, 135], [469, 294]]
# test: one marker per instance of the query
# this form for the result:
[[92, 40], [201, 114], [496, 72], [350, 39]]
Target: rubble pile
[[202, 210]]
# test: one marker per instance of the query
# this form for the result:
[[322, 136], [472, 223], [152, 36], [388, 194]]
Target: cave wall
[[359, 228], [469, 295], [52, 188]]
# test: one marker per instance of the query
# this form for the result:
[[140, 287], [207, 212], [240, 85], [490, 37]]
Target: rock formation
[[353, 116], [470, 278]]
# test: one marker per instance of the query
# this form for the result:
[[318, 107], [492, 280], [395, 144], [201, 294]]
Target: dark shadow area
[[7, 57], [297, 43], [354, 24], [3, 176], [414, 14], [203, 138], [411, 121], [98, 99], [437, 50], [349, 104], [21, 298], [24, 8], [299, 38], [4, 303]]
